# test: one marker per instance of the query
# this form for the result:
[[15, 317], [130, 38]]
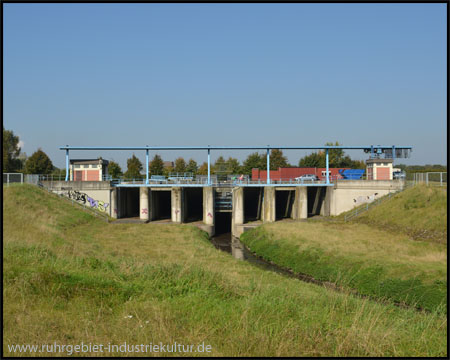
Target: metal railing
[[431, 178], [9, 178]]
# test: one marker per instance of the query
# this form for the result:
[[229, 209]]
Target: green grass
[[375, 255], [420, 212], [71, 278]]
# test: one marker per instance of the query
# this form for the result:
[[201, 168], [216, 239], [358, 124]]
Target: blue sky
[[226, 74]]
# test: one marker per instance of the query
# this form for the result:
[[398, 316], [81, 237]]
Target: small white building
[[379, 169], [88, 169]]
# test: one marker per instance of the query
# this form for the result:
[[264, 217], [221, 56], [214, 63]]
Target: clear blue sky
[[226, 74]]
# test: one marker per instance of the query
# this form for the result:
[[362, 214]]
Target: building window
[[77, 166]]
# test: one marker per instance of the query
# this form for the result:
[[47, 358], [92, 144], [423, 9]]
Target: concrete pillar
[[326, 208], [208, 205], [237, 216], [153, 205], [113, 206], [143, 204], [269, 203], [300, 207], [177, 205]]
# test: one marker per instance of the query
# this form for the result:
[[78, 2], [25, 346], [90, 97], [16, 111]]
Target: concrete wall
[[300, 206], [347, 194], [144, 211], [237, 216], [95, 194], [268, 211], [177, 205]]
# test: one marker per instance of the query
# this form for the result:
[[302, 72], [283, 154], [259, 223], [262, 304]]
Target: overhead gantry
[[375, 151]]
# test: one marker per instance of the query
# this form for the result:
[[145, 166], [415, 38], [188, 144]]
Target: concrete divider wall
[[94, 194], [348, 194]]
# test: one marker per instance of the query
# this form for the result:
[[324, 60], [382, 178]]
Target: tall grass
[[420, 212], [71, 278]]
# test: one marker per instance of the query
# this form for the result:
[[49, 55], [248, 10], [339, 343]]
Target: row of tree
[[15, 161]]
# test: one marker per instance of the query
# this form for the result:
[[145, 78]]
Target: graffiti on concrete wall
[[365, 199], [85, 198]]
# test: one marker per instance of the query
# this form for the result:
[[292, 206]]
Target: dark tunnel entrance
[[284, 199], [223, 223], [193, 202], [253, 199], [128, 200], [161, 204], [316, 196]]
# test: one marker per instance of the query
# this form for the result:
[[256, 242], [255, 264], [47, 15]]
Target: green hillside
[[420, 212], [71, 278]]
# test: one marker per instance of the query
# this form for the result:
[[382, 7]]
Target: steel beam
[[209, 167], [146, 166], [326, 164], [268, 165], [67, 164]]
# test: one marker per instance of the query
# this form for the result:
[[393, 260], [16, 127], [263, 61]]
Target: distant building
[[293, 172], [379, 169], [168, 163], [88, 169]]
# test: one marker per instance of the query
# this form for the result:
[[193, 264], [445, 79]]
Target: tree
[[192, 167], [167, 170], [336, 158], [203, 169], [220, 166], [156, 165], [253, 161], [277, 159], [11, 151], [114, 170], [38, 163], [180, 165], [134, 168], [313, 160], [234, 166]]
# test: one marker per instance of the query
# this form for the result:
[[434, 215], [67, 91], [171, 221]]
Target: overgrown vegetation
[[71, 278]]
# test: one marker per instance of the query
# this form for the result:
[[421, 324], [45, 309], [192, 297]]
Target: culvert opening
[[253, 198], [316, 196], [223, 223], [193, 202], [161, 204], [128, 200], [284, 200]]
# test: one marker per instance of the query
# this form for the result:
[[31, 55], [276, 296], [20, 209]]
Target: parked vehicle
[[399, 175], [307, 177]]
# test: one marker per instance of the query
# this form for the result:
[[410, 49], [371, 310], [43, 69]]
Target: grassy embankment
[[420, 212], [71, 278], [371, 259]]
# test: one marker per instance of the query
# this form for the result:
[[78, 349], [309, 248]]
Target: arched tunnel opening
[[253, 198], [161, 204], [316, 196], [128, 201], [193, 202], [284, 199]]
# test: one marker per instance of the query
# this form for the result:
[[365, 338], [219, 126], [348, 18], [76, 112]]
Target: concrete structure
[[144, 212], [248, 207], [379, 169], [345, 195], [88, 169]]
